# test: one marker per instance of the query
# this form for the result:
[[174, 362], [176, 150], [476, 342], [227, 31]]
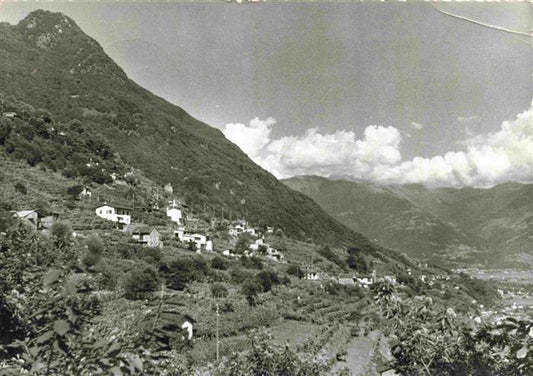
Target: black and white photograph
[[266, 188]]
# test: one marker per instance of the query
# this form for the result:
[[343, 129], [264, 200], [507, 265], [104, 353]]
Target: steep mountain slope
[[57, 78], [490, 227]]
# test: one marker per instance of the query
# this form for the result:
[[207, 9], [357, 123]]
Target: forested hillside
[[75, 108]]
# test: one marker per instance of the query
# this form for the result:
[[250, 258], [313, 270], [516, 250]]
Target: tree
[[140, 282], [434, 340], [295, 270], [95, 248], [61, 234], [250, 290], [95, 244], [328, 254], [243, 243], [357, 262], [219, 263], [266, 279], [74, 191]]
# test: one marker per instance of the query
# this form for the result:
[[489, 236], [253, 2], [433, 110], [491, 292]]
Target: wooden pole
[[218, 353]]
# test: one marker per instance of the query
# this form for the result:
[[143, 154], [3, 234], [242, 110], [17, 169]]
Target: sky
[[386, 92]]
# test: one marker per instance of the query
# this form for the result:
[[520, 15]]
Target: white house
[[174, 213], [238, 227], [120, 214], [364, 281], [86, 192], [274, 254], [202, 242], [251, 231], [346, 279], [29, 216], [10, 114], [313, 276], [255, 245], [227, 253]]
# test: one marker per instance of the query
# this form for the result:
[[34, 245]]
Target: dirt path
[[359, 352]]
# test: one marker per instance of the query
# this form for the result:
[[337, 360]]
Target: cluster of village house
[[364, 281], [149, 236]]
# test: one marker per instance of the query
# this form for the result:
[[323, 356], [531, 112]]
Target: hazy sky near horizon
[[392, 92]]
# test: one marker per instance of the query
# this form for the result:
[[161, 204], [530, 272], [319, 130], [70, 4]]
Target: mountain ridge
[[450, 225]]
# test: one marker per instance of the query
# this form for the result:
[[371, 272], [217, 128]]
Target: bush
[[74, 191], [61, 234], [180, 272], [267, 279], [295, 270], [20, 188], [68, 172], [219, 263], [94, 244], [218, 290], [250, 290], [357, 262], [240, 275], [252, 262], [243, 243], [150, 255], [141, 282], [328, 254], [90, 259]]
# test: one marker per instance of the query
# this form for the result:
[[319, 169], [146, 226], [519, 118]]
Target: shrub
[[140, 282], [252, 262], [219, 263], [94, 244], [226, 307], [180, 272], [90, 259], [74, 191], [150, 255], [295, 270], [131, 179], [61, 233], [68, 172], [250, 290], [20, 188], [243, 243], [240, 275], [328, 254], [267, 279], [218, 290], [357, 262]]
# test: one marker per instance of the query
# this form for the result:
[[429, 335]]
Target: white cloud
[[250, 138], [506, 155]]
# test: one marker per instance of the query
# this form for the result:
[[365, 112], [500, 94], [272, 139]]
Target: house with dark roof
[[147, 236]]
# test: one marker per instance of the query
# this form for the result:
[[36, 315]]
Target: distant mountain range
[[455, 227], [78, 113]]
